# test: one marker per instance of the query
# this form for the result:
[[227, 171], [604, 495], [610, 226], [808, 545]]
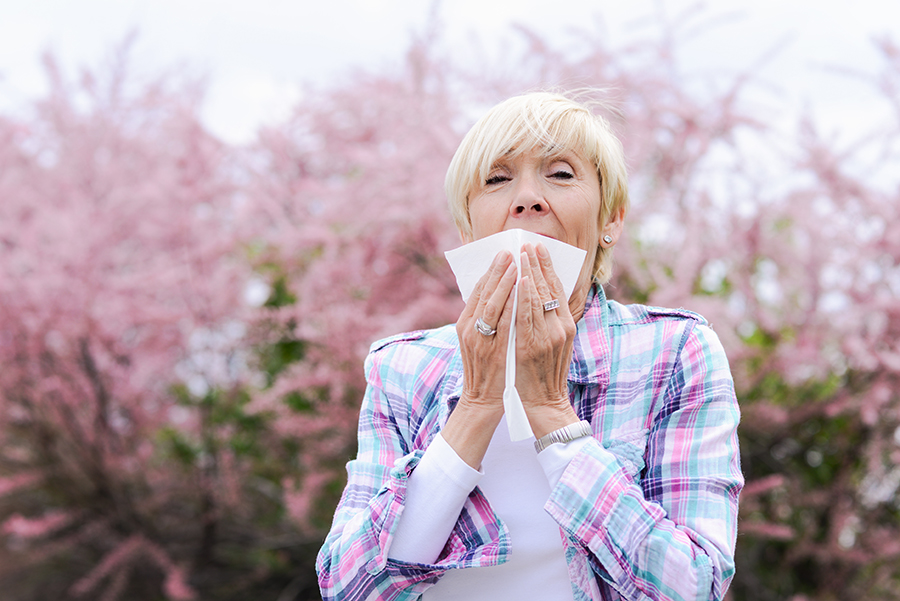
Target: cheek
[[584, 223], [485, 221]]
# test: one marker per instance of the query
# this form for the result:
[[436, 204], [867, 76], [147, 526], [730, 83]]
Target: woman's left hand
[[544, 342]]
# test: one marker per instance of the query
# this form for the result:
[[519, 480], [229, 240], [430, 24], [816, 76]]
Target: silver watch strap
[[564, 434]]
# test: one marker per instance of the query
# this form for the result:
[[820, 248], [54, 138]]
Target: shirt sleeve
[[435, 493], [671, 534], [353, 562]]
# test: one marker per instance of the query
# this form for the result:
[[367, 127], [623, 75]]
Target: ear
[[613, 228]]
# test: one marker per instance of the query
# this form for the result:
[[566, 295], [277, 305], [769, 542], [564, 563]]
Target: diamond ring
[[551, 304]]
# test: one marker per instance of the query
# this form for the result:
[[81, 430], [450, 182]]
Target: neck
[[578, 300]]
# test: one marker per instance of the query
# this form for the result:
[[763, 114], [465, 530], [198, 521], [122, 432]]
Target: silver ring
[[551, 304], [483, 328]]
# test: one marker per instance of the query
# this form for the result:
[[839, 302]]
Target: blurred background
[[210, 210]]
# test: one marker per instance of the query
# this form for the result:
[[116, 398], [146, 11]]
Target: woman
[[631, 489]]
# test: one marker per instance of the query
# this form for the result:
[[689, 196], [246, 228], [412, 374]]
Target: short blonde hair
[[551, 123]]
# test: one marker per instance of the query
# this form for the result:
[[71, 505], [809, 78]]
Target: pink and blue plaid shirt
[[647, 510]]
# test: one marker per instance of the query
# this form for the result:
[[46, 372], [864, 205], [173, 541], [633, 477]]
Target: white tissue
[[472, 261]]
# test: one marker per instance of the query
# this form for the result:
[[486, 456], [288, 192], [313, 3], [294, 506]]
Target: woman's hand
[[544, 342], [471, 425], [484, 357]]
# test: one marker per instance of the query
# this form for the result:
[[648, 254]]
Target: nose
[[528, 200]]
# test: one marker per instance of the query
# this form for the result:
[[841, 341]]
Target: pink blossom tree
[[127, 465], [349, 221]]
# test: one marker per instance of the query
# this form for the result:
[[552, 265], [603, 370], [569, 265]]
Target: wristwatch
[[563, 435]]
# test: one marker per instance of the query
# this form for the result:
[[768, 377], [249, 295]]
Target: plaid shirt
[[647, 510]]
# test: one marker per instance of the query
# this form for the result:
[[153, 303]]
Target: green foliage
[[821, 455], [281, 295], [298, 402], [772, 387], [275, 357], [176, 446]]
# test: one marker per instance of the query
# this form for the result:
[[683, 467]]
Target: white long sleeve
[[556, 458]]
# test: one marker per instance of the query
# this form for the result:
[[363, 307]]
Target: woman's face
[[557, 196]]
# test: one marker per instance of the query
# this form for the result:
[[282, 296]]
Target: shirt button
[[372, 567]]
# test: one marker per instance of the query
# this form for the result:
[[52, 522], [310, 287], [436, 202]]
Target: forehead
[[540, 151]]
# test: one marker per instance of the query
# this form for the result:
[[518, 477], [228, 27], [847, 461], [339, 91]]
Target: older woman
[[630, 489]]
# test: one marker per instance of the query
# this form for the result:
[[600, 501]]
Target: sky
[[257, 55]]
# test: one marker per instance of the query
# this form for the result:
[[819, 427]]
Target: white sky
[[257, 53]]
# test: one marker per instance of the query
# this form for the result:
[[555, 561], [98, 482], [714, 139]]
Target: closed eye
[[562, 175], [496, 179]]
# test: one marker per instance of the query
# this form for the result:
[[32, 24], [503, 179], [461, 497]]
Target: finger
[[506, 316], [554, 285], [499, 267], [535, 301], [525, 317], [486, 284], [494, 311], [540, 281]]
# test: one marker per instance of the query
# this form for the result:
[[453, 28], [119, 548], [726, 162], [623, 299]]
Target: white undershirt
[[517, 482]]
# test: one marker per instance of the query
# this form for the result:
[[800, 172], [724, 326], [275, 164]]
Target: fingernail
[[542, 250]]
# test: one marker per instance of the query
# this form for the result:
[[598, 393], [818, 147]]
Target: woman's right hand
[[484, 357], [471, 425]]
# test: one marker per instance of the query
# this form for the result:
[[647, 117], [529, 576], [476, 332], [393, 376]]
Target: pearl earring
[[607, 239]]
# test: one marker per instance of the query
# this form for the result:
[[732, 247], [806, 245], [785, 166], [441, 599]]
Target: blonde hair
[[550, 123]]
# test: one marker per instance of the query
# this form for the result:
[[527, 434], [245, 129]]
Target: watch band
[[564, 434]]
